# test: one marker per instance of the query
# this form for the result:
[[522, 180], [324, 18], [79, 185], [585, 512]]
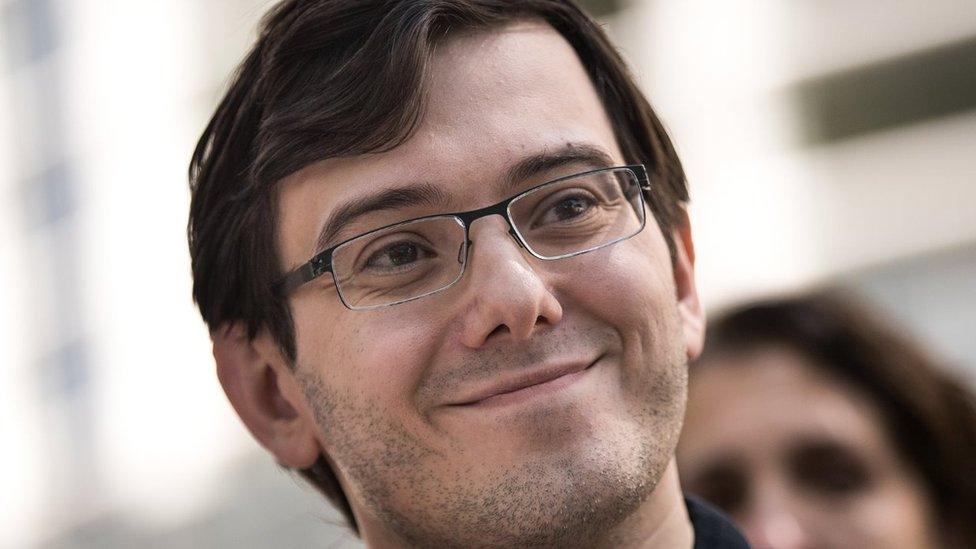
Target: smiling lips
[[526, 385]]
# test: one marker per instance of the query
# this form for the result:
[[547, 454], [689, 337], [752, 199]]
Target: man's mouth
[[525, 385]]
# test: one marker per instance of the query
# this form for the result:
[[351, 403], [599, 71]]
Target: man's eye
[[571, 207], [397, 254], [567, 208]]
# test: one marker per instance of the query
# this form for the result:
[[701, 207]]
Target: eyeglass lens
[[556, 220]]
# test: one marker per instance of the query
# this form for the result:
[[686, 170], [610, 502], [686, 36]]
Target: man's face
[[396, 393]]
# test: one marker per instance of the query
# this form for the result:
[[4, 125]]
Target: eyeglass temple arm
[[306, 273], [642, 179]]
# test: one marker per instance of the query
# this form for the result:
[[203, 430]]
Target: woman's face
[[798, 458]]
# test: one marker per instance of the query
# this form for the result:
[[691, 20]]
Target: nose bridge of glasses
[[501, 209], [494, 257]]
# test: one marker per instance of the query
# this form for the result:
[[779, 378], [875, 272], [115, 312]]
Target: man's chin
[[562, 497]]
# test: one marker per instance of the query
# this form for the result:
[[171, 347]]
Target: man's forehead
[[486, 62], [526, 63], [494, 97]]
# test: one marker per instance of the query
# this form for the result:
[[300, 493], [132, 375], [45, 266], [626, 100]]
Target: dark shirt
[[712, 529]]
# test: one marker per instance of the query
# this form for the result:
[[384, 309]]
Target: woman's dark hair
[[929, 415], [329, 78]]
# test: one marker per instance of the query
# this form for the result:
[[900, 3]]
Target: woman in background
[[813, 424]]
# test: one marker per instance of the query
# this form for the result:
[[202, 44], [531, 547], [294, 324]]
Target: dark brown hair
[[329, 78], [928, 414]]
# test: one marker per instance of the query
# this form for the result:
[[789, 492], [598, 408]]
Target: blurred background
[[826, 142]]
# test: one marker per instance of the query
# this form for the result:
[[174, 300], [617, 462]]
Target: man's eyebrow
[[571, 153], [418, 194], [426, 194]]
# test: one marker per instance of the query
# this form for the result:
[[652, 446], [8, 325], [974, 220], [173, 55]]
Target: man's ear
[[689, 306], [263, 390]]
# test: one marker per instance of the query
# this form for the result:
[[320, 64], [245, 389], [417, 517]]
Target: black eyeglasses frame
[[321, 262]]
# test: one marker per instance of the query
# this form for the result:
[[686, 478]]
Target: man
[[439, 281]]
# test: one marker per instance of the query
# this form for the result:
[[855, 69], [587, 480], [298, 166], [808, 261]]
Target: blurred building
[[115, 432], [825, 141]]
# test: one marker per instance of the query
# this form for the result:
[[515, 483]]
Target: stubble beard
[[569, 499]]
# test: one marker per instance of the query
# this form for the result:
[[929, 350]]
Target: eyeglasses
[[561, 218]]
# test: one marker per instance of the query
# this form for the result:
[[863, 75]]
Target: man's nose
[[504, 294]]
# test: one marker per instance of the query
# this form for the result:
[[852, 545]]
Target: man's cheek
[[625, 285], [387, 359]]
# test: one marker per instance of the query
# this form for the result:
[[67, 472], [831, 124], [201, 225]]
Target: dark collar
[[712, 529]]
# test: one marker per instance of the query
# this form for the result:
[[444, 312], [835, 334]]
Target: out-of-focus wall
[[115, 431], [825, 142], [744, 86]]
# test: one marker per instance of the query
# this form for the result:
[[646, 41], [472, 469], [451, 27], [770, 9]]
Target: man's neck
[[661, 521]]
